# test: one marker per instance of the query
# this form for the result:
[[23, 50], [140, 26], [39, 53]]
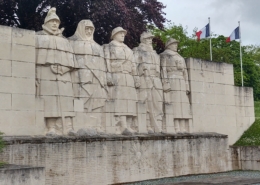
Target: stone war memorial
[[80, 113]]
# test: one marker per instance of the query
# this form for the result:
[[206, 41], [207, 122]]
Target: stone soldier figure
[[122, 80], [176, 86], [91, 76], [54, 62], [150, 90]]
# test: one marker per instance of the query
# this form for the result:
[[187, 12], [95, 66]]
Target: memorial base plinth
[[22, 175], [113, 159]]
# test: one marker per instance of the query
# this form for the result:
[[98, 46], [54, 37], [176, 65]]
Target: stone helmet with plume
[[51, 15]]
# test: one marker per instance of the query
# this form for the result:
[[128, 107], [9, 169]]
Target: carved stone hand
[[166, 87], [137, 81], [109, 80]]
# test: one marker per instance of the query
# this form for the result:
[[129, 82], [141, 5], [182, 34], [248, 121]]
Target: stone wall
[[17, 82], [118, 159], [22, 175], [218, 105], [245, 157]]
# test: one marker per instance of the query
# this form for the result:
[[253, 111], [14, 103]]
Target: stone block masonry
[[245, 157], [218, 105], [119, 159], [198, 97], [17, 86], [22, 175]]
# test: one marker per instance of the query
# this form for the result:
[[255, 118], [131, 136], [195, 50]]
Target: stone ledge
[[18, 167], [64, 139]]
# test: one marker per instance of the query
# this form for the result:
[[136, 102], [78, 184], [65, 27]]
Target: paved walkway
[[223, 180], [226, 178]]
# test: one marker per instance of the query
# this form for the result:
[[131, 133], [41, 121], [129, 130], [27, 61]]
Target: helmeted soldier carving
[[150, 90], [91, 77], [54, 62], [122, 80], [176, 85]]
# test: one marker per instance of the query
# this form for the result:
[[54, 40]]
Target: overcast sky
[[224, 15]]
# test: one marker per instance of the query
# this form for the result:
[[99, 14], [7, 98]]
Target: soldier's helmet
[[116, 30], [171, 41]]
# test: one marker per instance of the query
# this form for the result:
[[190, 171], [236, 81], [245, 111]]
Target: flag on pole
[[234, 35], [203, 33]]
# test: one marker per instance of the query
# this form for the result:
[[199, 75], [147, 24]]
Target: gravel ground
[[233, 177]]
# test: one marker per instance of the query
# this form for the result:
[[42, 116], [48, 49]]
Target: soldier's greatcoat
[[174, 71], [150, 91], [123, 70], [54, 61], [90, 78]]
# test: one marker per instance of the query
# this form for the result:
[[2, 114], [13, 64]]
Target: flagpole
[[210, 41], [241, 62]]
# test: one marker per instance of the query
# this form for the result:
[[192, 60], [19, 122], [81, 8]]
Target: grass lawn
[[251, 137]]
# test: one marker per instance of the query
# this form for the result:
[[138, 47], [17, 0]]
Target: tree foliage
[[221, 51], [133, 15]]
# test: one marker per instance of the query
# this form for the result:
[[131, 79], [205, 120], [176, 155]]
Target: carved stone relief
[[138, 155], [176, 88], [54, 63], [53, 85], [109, 88], [122, 81], [150, 91], [90, 78]]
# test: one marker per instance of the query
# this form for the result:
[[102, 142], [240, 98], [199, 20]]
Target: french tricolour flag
[[234, 35], [203, 33]]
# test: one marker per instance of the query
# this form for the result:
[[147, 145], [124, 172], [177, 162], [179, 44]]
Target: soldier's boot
[[184, 124], [149, 127], [69, 127], [150, 130], [177, 126], [129, 122], [51, 126], [124, 128], [99, 128]]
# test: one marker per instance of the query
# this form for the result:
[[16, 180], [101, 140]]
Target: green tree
[[254, 51], [221, 51], [133, 15]]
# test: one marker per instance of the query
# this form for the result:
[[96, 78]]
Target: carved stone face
[[147, 41], [89, 31], [53, 25], [173, 47], [120, 36]]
